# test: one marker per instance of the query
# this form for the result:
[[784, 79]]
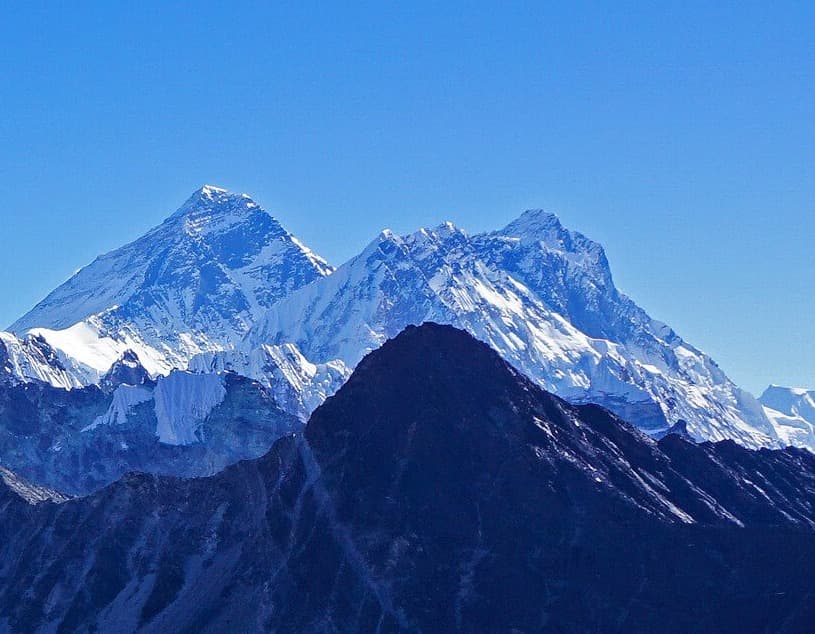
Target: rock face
[[32, 359], [439, 490]]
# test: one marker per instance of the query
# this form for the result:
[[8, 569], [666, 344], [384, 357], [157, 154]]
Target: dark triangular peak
[[430, 380], [435, 410], [127, 370], [449, 465], [437, 491]]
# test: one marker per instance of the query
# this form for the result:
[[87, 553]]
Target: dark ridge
[[438, 491]]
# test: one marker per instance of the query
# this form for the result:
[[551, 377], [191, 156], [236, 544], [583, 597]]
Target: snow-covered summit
[[535, 224], [543, 297], [789, 400], [213, 205], [196, 282], [792, 411]]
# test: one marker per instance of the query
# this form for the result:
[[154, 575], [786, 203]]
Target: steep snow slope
[[298, 385], [195, 283], [541, 295], [183, 402], [32, 359], [792, 411]]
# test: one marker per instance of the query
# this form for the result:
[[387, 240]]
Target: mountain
[[197, 282], [77, 441], [220, 285], [439, 490], [298, 385], [540, 294], [792, 411]]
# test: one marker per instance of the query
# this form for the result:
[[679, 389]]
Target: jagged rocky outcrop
[[31, 493], [439, 490], [127, 370]]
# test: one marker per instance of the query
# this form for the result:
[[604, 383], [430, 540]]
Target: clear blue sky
[[681, 136]]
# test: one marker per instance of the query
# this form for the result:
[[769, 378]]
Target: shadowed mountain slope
[[439, 490]]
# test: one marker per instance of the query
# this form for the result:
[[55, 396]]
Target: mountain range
[[222, 289], [439, 490], [213, 429]]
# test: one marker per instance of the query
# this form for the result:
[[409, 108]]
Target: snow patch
[[183, 402], [125, 398]]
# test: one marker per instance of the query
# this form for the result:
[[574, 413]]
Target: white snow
[[491, 286], [153, 296], [792, 412], [125, 398], [183, 402]]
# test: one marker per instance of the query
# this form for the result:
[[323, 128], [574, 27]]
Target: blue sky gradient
[[681, 136]]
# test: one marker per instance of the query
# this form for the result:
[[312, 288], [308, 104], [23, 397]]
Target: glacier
[[183, 401]]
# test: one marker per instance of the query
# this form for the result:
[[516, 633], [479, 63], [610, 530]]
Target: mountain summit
[[196, 282], [792, 411]]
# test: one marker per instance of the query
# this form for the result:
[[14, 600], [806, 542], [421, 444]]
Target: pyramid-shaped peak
[[210, 200], [215, 194], [214, 265], [533, 222], [541, 226], [212, 190], [427, 367]]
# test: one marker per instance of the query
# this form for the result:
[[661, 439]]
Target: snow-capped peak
[[216, 209], [197, 282], [543, 297], [534, 222], [446, 228], [212, 190], [221, 280], [211, 193], [793, 401], [792, 411]]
